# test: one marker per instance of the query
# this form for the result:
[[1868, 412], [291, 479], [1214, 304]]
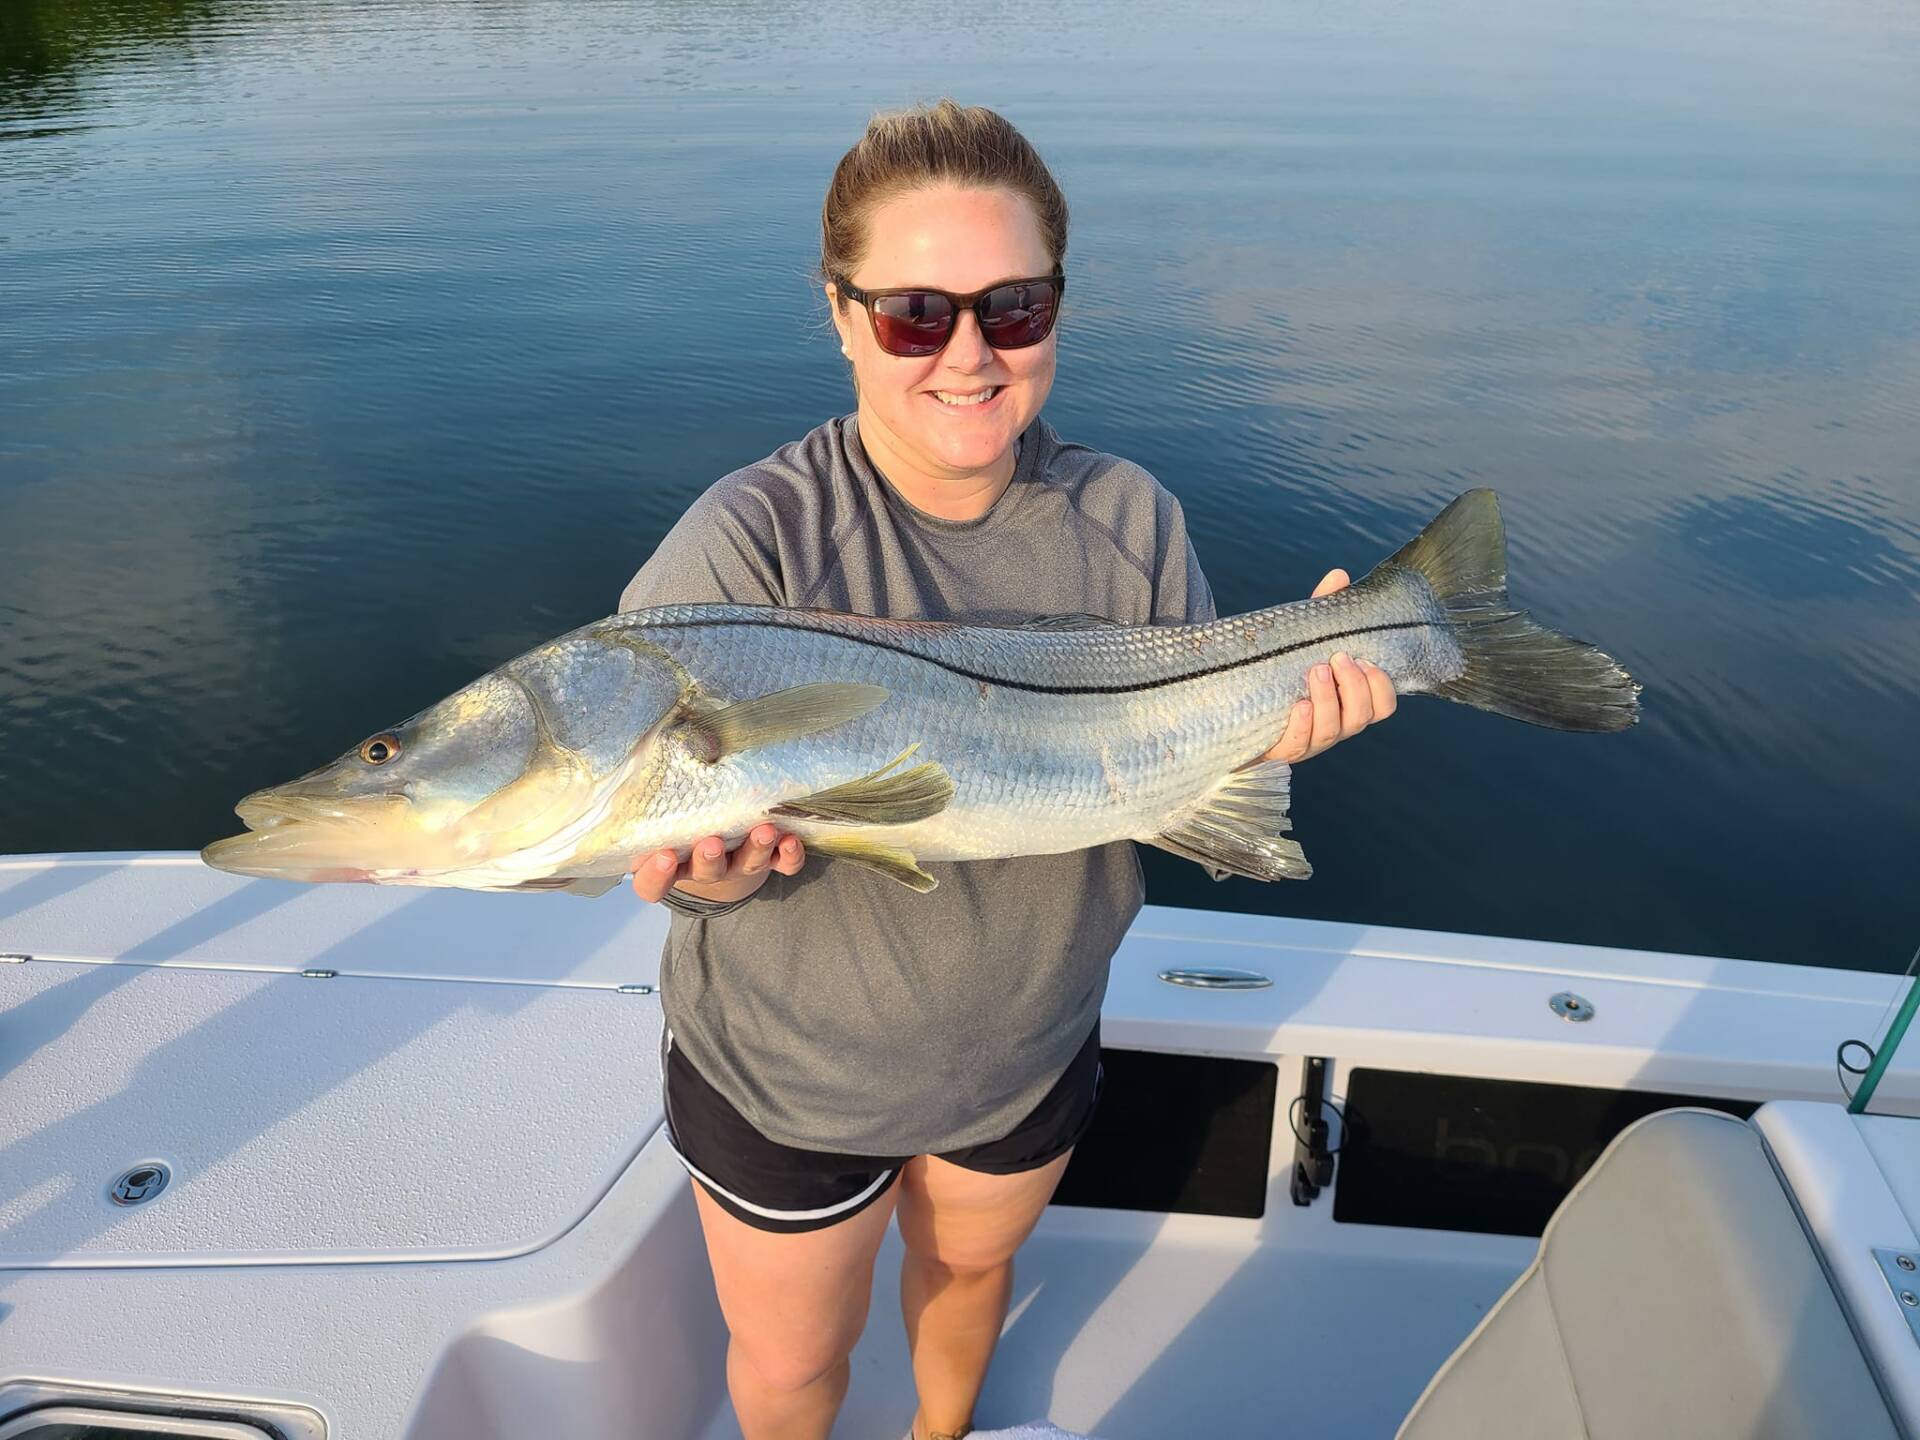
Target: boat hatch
[[84, 1422], [69, 1410], [173, 1115]]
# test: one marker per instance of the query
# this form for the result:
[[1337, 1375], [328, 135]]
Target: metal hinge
[[1902, 1271]]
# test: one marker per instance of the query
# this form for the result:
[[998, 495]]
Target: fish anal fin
[[1074, 621], [886, 797], [588, 885], [1239, 828], [875, 855], [783, 715]]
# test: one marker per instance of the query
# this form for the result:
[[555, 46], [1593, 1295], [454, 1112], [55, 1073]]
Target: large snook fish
[[890, 742]]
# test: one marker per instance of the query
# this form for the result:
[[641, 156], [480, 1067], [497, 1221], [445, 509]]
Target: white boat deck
[[426, 1196], [1130, 1328]]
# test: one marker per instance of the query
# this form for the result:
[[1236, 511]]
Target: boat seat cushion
[[1674, 1293]]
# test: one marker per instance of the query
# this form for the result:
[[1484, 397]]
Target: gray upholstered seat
[[1674, 1294]]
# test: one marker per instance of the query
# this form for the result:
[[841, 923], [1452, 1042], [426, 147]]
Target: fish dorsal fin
[[881, 798], [783, 715], [1067, 622], [875, 855], [589, 885], [1239, 828]]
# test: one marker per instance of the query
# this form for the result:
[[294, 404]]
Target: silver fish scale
[[1055, 739]]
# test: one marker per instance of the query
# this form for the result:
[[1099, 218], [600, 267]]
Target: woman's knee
[[791, 1359]]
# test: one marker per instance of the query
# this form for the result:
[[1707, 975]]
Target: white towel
[[1032, 1430]]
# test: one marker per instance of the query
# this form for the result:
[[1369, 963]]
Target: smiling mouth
[[962, 400]]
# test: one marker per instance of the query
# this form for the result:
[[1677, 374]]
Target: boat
[[387, 1164]]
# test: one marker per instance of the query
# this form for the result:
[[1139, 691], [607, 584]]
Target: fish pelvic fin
[[886, 797], [1514, 667], [877, 856], [1239, 827], [783, 715]]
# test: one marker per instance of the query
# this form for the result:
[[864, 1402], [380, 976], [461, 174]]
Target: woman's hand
[[712, 874], [1342, 698]]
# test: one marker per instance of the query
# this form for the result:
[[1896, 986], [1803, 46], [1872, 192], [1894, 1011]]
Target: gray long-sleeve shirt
[[837, 1010]]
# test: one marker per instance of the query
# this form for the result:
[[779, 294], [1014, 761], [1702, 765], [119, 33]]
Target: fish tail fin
[[1513, 666]]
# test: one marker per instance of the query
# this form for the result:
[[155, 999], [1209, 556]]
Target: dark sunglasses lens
[[1019, 314], [915, 323]]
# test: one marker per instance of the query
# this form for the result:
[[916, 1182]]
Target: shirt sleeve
[[721, 551], [1181, 595]]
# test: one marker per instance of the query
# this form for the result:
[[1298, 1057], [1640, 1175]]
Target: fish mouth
[[305, 837], [267, 810]]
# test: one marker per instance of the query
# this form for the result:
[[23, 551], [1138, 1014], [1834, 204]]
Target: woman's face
[[958, 240]]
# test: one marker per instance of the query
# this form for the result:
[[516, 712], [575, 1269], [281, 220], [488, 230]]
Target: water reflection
[[47, 48], [350, 349]]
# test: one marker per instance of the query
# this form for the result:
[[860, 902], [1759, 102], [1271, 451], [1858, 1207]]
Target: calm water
[[346, 350]]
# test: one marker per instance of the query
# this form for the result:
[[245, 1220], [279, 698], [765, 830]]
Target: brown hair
[[929, 144]]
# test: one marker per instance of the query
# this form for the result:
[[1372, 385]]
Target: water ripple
[[349, 349]]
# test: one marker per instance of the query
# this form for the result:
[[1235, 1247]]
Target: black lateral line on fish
[[988, 679]]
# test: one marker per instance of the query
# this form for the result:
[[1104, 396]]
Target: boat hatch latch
[[140, 1184], [1307, 1118]]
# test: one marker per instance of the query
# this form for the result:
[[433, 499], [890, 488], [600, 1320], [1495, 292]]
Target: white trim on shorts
[[748, 1205]]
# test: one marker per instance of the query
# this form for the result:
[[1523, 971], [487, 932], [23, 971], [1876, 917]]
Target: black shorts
[[781, 1188]]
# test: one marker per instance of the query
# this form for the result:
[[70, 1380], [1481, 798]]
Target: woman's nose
[[968, 349]]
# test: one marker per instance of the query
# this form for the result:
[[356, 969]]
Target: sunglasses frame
[[865, 298]]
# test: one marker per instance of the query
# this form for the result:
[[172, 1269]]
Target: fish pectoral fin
[[588, 885], [1239, 828], [886, 797], [783, 715], [875, 855]]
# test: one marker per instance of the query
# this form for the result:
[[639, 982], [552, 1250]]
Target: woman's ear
[[841, 318]]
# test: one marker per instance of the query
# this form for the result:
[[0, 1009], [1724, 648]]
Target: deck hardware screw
[[1909, 1299], [1569, 1006], [1905, 1262], [318, 974], [634, 988]]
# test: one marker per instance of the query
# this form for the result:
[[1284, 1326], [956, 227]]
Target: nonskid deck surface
[[1121, 1332]]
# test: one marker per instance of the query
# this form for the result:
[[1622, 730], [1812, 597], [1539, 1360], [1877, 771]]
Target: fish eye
[[380, 749]]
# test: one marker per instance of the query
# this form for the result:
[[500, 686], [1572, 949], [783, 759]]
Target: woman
[[838, 1048]]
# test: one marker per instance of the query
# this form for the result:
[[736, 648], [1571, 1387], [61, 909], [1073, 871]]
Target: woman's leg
[[795, 1304], [961, 1228]]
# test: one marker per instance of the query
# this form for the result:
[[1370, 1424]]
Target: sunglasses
[[917, 321]]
